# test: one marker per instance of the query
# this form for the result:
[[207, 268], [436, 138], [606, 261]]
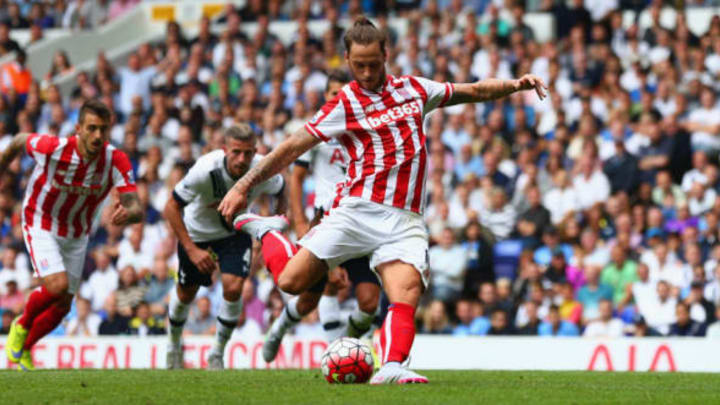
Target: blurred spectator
[[606, 326], [15, 75], [701, 310], [592, 293], [102, 282], [497, 214], [86, 323], [435, 320], [469, 323], [447, 262], [113, 323], [129, 293], [201, 321], [132, 252], [158, 287], [144, 324], [555, 326], [6, 43], [684, 325], [13, 299], [713, 330], [535, 218], [642, 329], [571, 310], [10, 271], [531, 326], [499, 324], [660, 312], [6, 318], [619, 274]]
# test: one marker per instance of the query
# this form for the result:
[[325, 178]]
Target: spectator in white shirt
[[660, 314], [606, 326], [135, 81], [701, 198], [665, 266], [561, 199], [591, 185], [448, 262], [10, 271], [704, 123], [132, 252], [102, 282], [498, 215], [86, 323], [697, 173]]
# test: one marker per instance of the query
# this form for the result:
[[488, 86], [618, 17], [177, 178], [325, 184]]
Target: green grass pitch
[[307, 387]]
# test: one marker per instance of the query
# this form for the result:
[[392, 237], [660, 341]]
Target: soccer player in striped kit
[[378, 210], [71, 178]]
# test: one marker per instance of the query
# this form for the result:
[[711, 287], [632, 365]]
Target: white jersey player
[[378, 210], [206, 242]]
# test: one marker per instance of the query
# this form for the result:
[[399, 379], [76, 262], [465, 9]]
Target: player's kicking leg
[[277, 251], [181, 297]]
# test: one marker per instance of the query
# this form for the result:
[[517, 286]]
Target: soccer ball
[[347, 361]]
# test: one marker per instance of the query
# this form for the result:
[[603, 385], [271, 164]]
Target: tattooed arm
[[279, 158], [128, 210], [491, 89], [16, 146]]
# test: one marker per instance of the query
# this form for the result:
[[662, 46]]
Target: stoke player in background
[[378, 211], [202, 233], [71, 178], [328, 163]]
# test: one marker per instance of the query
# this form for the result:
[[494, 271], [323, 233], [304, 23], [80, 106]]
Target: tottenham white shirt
[[202, 189]]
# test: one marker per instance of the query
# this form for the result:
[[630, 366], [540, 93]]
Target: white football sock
[[288, 318], [360, 321], [226, 322], [329, 313], [177, 314]]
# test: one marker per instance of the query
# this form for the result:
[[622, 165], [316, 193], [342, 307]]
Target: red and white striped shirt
[[384, 138], [64, 191]]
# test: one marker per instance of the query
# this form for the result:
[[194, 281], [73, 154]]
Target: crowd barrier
[[429, 352]]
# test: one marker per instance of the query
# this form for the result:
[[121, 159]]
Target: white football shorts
[[52, 254], [359, 228]]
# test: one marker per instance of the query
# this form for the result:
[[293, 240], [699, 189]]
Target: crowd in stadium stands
[[593, 213]]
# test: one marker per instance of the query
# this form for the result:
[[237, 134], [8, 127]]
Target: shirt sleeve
[[329, 122], [434, 94], [39, 146], [190, 186], [122, 173]]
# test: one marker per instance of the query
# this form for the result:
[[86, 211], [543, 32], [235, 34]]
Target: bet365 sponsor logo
[[379, 118]]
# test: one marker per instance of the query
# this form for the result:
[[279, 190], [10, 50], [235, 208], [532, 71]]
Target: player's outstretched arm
[[492, 89], [281, 157], [128, 210], [16, 146]]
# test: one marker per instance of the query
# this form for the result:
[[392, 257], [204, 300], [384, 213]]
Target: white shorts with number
[[52, 254], [362, 228]]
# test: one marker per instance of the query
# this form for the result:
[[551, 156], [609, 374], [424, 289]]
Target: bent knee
[[289, 285]]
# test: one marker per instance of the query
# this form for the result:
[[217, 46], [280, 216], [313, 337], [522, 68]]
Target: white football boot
[[215, 361], [257, 225], [395, 373], [175, 359]]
